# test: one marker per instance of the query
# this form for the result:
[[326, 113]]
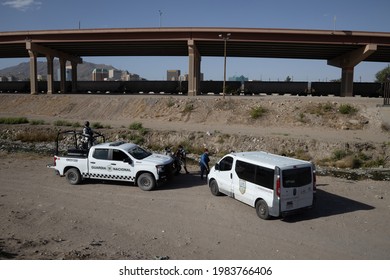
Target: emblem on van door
[[242, 188], [295, 192]]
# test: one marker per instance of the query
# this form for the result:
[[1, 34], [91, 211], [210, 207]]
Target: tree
[[383, 75]]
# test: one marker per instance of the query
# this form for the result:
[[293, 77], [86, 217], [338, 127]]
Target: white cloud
[[22, 5]]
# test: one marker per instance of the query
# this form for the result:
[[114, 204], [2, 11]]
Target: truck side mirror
[[128, 160], [217, 166]]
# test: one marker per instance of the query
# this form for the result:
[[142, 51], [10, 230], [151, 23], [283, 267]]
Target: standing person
[[182, 156], [88, 135], [204, 163]]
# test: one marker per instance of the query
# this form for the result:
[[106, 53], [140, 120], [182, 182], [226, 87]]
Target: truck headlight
[[160, 168]]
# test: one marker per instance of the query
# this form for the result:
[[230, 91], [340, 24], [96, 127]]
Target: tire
[[146, 182], [73, 176], [214, 188], [262, 210]]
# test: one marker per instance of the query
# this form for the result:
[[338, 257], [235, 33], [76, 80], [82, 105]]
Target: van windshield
[[297, 177]]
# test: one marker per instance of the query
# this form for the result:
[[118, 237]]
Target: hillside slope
[[308, 127]]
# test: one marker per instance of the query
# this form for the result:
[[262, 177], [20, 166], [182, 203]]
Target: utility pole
[[225, 38]]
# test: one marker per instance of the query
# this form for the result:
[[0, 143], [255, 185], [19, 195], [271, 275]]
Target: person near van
[[88, 136], [182, 156], [204, 164]]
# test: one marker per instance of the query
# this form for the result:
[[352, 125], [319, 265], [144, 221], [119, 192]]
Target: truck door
[[99, 163], [122, 168]]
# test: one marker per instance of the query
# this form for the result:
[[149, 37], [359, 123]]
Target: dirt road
[[43, 217]]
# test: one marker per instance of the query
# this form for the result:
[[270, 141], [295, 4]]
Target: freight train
[[206, 87]]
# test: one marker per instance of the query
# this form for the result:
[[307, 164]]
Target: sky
[[355, 15]]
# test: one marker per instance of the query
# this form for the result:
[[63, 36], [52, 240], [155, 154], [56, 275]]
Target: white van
[[275, 185]]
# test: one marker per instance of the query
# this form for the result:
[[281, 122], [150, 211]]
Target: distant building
[[68, 73], [173, 75], [239, 78], [126, 76], [115, 75], [41, 78], [99, 74]]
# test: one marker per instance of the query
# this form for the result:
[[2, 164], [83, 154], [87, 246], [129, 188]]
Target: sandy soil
[[43, 217]]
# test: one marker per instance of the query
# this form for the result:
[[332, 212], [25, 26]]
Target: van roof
[[269, 160]]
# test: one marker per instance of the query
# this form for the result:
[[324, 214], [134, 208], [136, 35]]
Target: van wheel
[[146, 182], [214, 188], [262, 209], [73, 176]]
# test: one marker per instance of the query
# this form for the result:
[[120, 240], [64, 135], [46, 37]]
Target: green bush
[[37, 122], [136, 126], [257, 112], [17, 120], [347, 109], [62, 123]]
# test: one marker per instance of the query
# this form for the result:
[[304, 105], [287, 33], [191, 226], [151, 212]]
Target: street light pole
[[160, 12], [225, 38]]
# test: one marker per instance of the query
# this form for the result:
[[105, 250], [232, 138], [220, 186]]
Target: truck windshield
[[139, 153], [297, 177]]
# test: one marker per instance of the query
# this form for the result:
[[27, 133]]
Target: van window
[[265, 177], [226, 164], [298, 177], [255, 174], [100, 154]]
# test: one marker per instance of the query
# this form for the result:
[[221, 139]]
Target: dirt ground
[[43, 217]]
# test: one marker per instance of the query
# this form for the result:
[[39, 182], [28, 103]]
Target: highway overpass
[[343, 49]]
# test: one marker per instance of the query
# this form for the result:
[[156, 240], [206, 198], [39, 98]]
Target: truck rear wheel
[[262, 209], [73, 176], [146, 182]]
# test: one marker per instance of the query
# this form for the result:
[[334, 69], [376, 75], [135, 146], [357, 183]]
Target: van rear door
[[296, 190]]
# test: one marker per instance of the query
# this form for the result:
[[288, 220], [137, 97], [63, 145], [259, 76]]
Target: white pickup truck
[[119, 161]]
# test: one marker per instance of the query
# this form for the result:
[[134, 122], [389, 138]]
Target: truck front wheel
[[146, 182], [73, 176]]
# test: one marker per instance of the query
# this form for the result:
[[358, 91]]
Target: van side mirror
[[217, 166]]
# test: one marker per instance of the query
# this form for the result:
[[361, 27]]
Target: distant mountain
[[22, 70]]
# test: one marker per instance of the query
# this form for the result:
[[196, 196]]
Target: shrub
[[340, 154], [347, 109], [17, 120], [97, 125], [37, 122], [257, 112], [62, 123], [36, 137], [136, 126], [188, 108]]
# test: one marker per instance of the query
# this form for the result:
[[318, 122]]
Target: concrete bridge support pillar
[[63, 75], [347, 62], [346, 81], [74, 76], [33, 72], [194, 69], [50, 70]]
